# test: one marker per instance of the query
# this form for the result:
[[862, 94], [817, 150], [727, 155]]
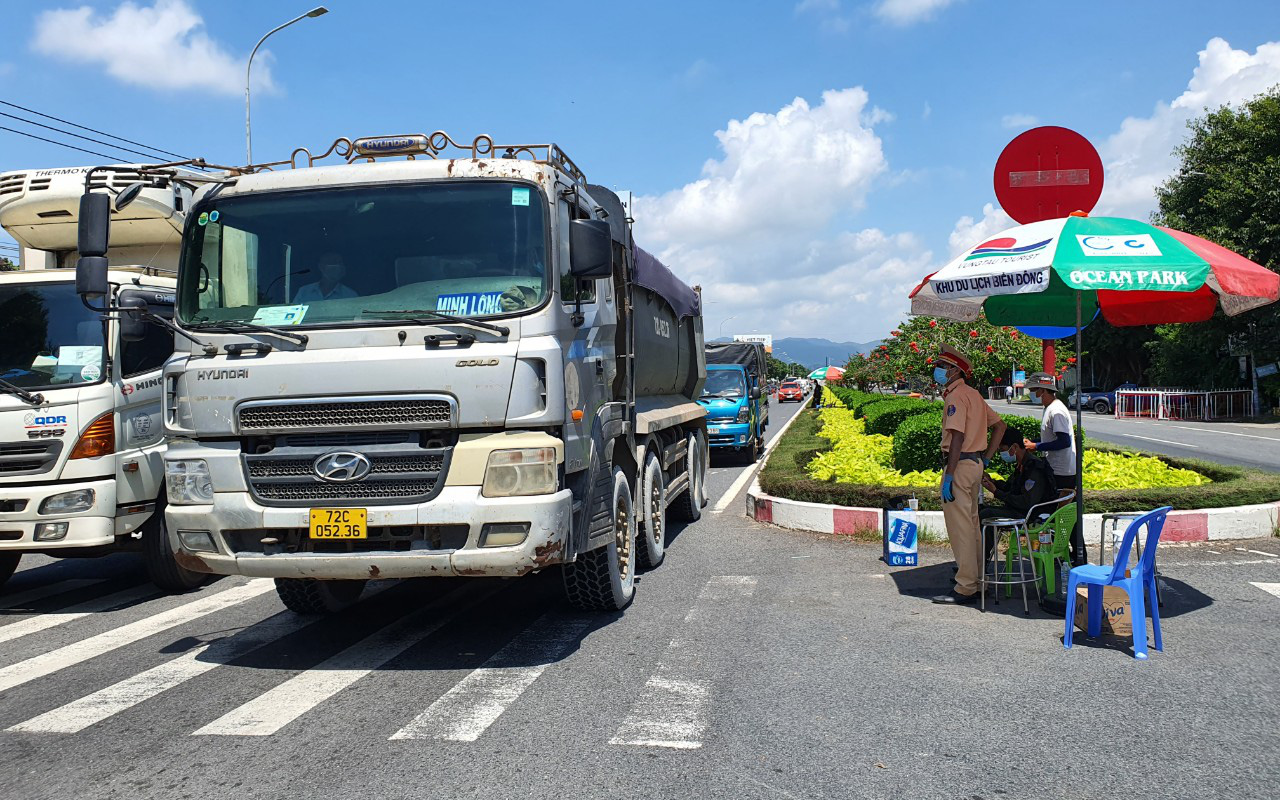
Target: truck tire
[[157, 555], [604, 579], [751, 452], [688, 506], [1101, 407], [310, 596], [652, 533], [8, 563]]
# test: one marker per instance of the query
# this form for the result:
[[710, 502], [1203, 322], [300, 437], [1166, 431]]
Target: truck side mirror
[[755, 392], [128, 194], [590, 249], [91, 244], [133, 328]]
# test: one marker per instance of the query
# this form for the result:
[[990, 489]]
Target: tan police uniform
[[967, 413]]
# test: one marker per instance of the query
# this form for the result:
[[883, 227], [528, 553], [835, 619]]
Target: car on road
[[791, 390], [1100, 400]]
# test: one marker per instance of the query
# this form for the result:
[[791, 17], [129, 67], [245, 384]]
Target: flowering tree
[[911, 350]]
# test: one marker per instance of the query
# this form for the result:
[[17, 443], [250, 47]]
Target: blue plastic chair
[[1097, 576]]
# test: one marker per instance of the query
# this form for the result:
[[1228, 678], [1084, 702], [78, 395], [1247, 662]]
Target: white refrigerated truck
[[81, 435]]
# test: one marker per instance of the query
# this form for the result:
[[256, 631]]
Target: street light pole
[[318, 11], [722, 322]]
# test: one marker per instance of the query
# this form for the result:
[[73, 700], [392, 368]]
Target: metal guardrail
[[1181, 404]]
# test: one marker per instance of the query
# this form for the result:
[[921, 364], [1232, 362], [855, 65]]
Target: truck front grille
[[28, 458], [399, 473], [393, 413]]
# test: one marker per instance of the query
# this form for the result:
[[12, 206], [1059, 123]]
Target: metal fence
[[1180, 404]]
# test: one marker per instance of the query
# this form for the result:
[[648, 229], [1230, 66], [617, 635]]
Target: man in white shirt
[[1058, 444], [330, 286]]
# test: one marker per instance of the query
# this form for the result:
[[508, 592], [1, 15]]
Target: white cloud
[[928, 111], [761, 230], [909, 12], [1016, 121], [1140, 155], [697, 73], [828, 14], [161, 46], [967, 232]]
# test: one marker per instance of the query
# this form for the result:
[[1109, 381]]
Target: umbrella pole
[[1080, 444]]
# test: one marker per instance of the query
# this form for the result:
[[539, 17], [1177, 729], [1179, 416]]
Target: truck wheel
[[1101, 407], [652, 533], [310, 596], [157, 555], [688, 506], [604, 579], [751, 452], [8, 563]]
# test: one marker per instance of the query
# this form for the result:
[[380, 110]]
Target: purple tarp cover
[[653, 274]]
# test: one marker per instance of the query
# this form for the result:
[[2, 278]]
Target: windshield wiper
[[23, 394], [233, 326], [499, 329]]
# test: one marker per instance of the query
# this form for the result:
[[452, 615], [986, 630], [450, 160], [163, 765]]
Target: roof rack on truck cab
[[435, 145]]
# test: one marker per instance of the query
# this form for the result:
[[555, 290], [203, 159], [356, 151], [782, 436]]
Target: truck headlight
[[188, 482], [512, 473], [68, 502], [744, 414]]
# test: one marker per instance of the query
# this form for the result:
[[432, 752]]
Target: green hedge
[[884, 418], [784, 476], [916, 443]]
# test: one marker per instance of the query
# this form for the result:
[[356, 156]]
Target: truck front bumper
[[728, 434], [235, 518], [93, 527]]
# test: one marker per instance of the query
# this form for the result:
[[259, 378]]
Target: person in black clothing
[[1032, 482]]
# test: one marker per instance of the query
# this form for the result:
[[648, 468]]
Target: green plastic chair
[[1060, 523]]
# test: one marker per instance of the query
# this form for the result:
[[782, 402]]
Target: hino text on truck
[[81, 435], [409, 364]]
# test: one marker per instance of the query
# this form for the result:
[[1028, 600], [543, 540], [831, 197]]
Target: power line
[[64, 144], [93, 130], [147, 156]]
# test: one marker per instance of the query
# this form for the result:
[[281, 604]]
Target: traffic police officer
[[965, 421]]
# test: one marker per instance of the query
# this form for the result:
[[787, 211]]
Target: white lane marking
[[284, 703], [1161, 441], [1263, 553], [43, 622], [93, 708], [727, 498], [41, 592], [1269, 588], [85, 649], [1224, 433], [671, 709], [467, 710]]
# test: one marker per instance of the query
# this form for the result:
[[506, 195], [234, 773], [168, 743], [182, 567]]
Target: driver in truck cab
[[330, 286]]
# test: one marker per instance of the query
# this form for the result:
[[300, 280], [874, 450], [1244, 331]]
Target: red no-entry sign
[[1047, 173]]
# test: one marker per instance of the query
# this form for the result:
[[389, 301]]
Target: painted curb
[[1195, 525]]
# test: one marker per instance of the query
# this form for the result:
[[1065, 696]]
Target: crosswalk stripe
[[42, 622], [48, 590], [277, 707], [468, 709], [671, 710], [1270, 588], [92, 709], [69, 655]]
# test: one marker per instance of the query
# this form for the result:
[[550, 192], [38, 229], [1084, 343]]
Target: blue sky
[[806, 162]]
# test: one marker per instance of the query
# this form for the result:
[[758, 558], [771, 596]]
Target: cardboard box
[[1116, 617], [900, 536]]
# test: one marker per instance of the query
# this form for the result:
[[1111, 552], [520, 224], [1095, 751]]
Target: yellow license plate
[[339, 523]]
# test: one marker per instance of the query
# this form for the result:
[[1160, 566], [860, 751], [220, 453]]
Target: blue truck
[[737, 405]]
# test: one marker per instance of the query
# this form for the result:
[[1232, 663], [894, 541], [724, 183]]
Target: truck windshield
[[724, 383], [353, 255], [47, 337]]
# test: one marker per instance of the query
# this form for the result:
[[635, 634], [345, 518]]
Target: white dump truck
[[81, 434], [428, 359]]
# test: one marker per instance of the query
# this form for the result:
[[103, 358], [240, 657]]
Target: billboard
[[764, 338]]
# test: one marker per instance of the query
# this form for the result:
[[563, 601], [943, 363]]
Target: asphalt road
[[1245, 444], [754, 663]]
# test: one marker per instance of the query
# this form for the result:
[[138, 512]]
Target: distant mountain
[[814, 353]]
